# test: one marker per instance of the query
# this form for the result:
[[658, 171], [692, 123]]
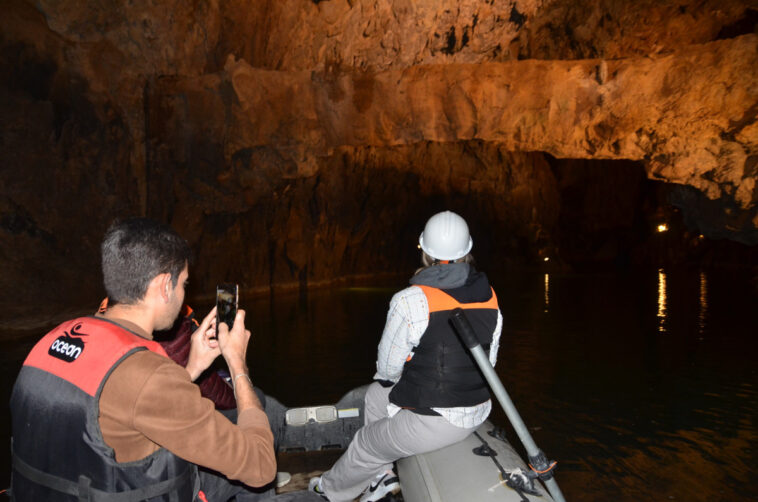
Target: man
[[428, 391], [176, 341], [91, 414]]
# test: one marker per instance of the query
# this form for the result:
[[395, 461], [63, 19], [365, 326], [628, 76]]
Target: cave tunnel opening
[[613, 214], [357, 216], [361, 211]]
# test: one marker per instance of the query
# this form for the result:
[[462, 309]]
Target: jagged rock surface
[[316, 137], [697, 126]]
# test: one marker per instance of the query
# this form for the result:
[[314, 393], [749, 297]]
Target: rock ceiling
[[247, 103], [669, 83]]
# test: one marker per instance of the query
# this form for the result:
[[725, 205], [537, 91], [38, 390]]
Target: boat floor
[[302, 466]]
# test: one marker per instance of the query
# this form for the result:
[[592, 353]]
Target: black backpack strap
[[144, 493], [42, 478], [85, 492]]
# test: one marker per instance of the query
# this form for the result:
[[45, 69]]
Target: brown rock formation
[[317, 136], [382, 34], [697, 125]]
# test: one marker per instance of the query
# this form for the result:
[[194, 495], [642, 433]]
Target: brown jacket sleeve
[[149, 402]]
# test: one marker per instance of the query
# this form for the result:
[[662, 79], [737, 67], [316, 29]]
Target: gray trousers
[[381, 441]]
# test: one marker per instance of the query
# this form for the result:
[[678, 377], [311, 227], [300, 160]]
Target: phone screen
[[227, 297]]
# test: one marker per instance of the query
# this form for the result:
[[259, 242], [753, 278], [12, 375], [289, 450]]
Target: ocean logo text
[[66, 347]]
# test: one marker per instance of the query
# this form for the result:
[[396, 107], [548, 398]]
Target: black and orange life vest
[[58, 448], [441, 372]]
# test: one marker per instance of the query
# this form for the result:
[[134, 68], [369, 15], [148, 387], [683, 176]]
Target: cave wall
[[377, 35], [694, 128], [359, 212], [315, 137]]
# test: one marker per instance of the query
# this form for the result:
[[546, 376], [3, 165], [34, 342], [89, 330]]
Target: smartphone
[[227, 298]]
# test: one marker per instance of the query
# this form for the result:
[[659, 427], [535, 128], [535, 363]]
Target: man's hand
[[233, 346], [204, 348]]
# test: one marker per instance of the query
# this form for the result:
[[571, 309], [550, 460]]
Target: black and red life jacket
[[441, 372], [57, 445]]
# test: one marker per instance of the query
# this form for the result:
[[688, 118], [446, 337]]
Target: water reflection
[[703, 303], [661, 301], [635, 407]]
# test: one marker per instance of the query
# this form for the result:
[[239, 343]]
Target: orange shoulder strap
[[438, 300]]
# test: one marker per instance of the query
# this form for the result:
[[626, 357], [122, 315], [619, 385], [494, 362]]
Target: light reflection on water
[[631, 415], [703, 310], [661, 301], [627, 413]]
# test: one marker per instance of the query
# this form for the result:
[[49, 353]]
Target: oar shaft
[[466, 332], [513, 415], [505, 401]]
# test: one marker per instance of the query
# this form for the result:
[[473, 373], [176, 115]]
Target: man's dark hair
[[134, 252]]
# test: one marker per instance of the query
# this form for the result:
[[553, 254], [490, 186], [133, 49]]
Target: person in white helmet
[[428, 392]]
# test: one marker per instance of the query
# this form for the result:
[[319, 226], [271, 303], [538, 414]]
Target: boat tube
[[483, 467]]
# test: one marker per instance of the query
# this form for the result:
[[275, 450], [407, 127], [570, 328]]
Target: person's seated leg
[[375, 403], [377, 445], [218, 488], [301, 496]]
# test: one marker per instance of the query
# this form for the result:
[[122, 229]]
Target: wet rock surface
[[312, 139]]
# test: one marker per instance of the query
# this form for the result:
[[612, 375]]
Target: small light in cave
[[701, 237], [663, 227], [547, 258]]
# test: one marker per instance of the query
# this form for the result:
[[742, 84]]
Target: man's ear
[[161, 286]]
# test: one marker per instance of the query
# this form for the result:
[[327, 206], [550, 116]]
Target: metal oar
[[537, 459]]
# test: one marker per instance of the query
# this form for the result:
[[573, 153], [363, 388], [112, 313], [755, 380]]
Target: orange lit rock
[[313, 137], [689, 115]]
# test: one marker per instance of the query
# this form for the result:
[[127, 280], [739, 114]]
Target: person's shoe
[[383, 485], [282, 479], [314, 485]]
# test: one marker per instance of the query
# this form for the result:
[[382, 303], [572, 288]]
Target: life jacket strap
[[85, 492], [450, 386]]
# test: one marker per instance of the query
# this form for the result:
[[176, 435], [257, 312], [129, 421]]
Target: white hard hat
[[446, 237]]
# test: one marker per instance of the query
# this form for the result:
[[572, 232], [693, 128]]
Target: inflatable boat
[[483, 467]]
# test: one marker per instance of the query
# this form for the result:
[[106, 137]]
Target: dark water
[[642, 386]]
